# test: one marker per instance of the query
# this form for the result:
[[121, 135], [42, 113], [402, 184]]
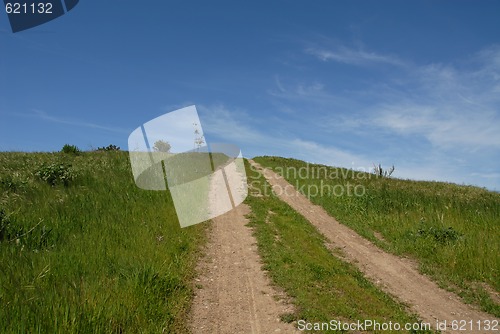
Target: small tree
[[162, 146]]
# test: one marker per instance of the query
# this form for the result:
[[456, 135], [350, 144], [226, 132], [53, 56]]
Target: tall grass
[[452, 230], [94, 254]]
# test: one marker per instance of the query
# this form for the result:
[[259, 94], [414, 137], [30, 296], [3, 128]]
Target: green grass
[[90, 252], [322, 286], [452, 230], [83, 249]]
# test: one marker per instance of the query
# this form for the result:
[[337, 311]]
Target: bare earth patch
[[233, 294], [397, 276]]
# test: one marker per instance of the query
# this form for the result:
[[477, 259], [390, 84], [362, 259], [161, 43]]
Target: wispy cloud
[[230, 124], [235, 126], [312, 95], [443, 128], [346, 55], [487, 175], [46, 117], [330, 155], [437, 121], [450, 107]]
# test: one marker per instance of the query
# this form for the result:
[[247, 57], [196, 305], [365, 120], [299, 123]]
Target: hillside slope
[[453, 231], [82, 249]]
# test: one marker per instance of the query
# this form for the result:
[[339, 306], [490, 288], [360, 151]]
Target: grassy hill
[[82, 249], [453, 231]]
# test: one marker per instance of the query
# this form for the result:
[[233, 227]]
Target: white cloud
[[487, 175], [443, 127], [434, 121], [254, 139], [232, 125], [329, 155], [44, 116], [451, 107], [343, 54]]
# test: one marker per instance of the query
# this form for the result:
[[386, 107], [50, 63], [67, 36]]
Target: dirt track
[[233, 294], [397, 276]]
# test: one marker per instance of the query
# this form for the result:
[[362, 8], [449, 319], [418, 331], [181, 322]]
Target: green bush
[[56, 173], [71, 149], [443, 235], [109, 148]]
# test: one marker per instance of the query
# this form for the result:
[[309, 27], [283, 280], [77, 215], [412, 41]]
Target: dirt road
[[233, 293], [397, 276]]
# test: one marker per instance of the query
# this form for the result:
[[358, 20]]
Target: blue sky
[[346, 83]]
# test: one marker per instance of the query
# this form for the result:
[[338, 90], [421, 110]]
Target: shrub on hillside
[[109, 148], [439, 233], [56, 173], [71, 149]]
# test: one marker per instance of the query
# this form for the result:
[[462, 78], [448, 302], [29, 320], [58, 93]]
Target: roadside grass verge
[[83, 250], [452, 230], [323, 287]]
